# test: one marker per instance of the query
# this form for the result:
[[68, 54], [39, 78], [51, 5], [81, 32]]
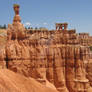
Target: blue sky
[[45, 13]]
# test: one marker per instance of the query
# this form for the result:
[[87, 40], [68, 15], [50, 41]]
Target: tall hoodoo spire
[[16, 30]]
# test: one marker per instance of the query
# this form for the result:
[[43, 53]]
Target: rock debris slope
[[12, 82]]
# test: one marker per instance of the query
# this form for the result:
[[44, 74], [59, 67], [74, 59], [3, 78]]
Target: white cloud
[[37, 24], [27, 24], [44, 23]]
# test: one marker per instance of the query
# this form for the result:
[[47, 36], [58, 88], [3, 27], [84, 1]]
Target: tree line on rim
[[3, 26]]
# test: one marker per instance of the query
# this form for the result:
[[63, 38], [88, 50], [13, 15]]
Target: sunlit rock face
[[55, 56], [61, 65]]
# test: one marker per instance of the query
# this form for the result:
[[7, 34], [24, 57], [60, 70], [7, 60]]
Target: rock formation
[[16, 30], [55, 56]]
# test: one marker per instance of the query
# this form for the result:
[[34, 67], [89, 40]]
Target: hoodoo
[[51, 56]]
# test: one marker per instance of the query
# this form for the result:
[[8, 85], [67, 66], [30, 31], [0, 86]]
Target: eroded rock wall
[[62, 65], [55, 56]]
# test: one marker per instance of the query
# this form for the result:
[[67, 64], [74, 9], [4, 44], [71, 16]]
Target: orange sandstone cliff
[[53, 57]]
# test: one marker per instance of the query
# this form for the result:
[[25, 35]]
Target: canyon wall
[[53, 56], [60, 64]]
